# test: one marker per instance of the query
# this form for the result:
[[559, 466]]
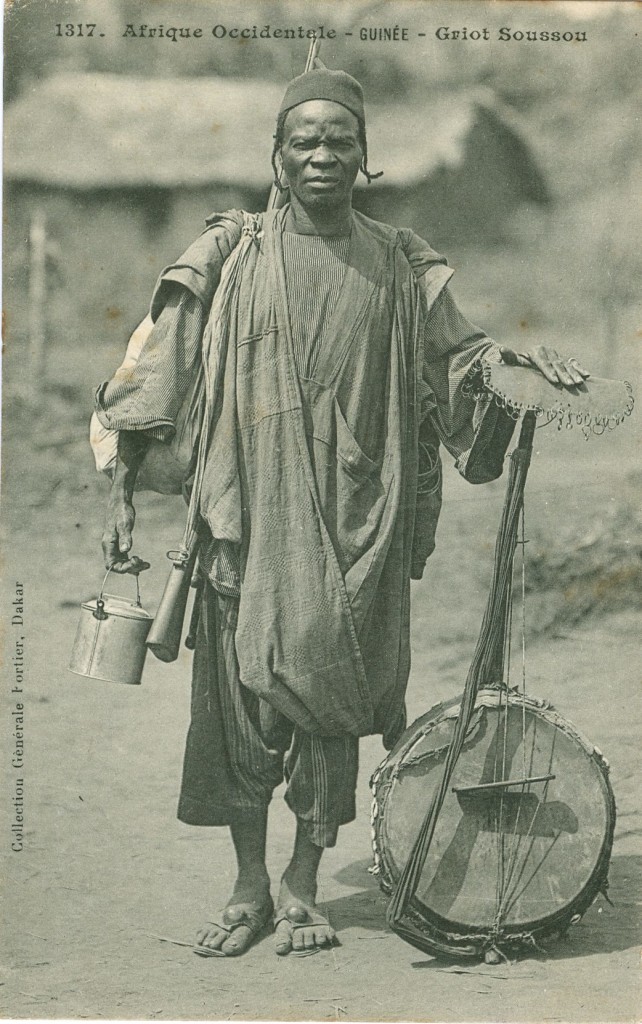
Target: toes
[[298, 939], [229, 944], [237, 942], [309, 938], [324, 936], [306, 933], [211, 937], [315, 937], [283, 938]]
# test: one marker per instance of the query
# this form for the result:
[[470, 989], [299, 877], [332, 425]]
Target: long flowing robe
[[318, 482]]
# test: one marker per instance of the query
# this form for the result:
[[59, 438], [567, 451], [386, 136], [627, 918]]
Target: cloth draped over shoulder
[[330, 487]]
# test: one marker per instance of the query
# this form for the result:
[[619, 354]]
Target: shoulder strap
[[214, 356]]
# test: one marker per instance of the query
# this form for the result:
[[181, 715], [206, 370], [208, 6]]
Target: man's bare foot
[[234, 930], [300, 927]]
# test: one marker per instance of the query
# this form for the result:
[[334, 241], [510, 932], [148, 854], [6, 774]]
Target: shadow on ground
[[604, 929]]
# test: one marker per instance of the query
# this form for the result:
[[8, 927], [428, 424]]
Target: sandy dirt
[[107, 874]]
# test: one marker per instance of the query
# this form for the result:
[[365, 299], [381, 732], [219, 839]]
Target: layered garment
[[239, 749], [316, 481]]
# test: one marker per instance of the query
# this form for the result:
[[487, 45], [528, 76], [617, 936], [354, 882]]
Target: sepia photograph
[[321, 510]]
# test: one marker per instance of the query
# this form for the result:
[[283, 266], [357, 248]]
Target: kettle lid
[[119, 606]]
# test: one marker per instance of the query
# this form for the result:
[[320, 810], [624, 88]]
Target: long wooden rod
[[276, 197], [489, 645]]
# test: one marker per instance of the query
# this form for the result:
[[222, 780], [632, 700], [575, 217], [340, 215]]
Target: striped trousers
[[239, 749]]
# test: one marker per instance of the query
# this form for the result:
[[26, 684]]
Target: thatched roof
[[88, 131]]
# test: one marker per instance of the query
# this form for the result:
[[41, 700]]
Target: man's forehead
[[321, 113]]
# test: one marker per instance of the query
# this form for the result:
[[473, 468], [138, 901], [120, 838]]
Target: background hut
[[125, 169]]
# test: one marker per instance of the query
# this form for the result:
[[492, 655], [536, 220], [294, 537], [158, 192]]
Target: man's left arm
[[476, 433]]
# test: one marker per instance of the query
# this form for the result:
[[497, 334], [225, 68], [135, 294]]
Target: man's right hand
[[120, 519], [117, 538]]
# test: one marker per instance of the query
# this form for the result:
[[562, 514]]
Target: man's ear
[[282, 177]]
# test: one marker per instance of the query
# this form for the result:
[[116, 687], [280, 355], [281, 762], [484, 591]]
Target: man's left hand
[[557, 369]]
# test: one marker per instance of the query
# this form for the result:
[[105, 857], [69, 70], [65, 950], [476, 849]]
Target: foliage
[[591, 565]]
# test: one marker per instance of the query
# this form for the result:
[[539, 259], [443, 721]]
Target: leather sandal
[[239, 915], [299, 916]]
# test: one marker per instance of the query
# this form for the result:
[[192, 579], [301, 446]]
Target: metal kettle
[[110, 639]]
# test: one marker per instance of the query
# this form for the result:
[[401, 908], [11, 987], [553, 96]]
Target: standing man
[[337, 362]]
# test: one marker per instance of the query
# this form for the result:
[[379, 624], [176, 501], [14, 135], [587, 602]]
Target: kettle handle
[[102, 589]]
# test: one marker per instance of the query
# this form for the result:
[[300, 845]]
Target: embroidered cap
[[324, 84]]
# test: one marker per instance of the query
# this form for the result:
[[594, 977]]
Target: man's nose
[[323, 156]]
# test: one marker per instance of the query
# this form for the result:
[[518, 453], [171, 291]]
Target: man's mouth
[[324, 182]]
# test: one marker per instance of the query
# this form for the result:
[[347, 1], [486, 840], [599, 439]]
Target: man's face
[[321, 153]]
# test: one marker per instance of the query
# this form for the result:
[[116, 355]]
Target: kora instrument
[[493, 817]]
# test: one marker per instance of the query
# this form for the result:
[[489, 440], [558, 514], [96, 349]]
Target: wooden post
[[37, 309]]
